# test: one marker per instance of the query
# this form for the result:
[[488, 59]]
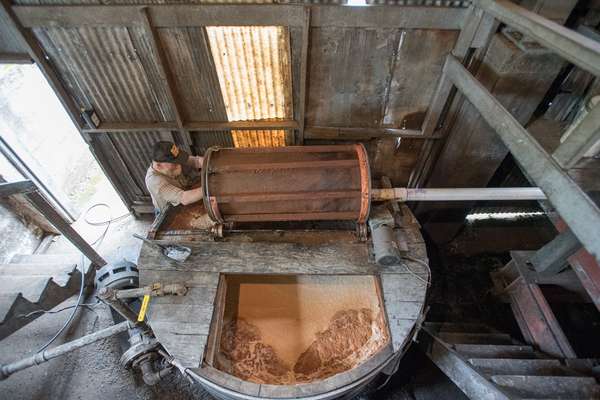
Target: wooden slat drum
[[295, 183]]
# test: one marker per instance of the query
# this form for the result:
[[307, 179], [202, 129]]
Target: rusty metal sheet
[[109, 69], [254, 73]]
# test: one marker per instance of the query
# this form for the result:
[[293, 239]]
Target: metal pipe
[[457, 194], [46, 355], [154, 290], [108, 296]]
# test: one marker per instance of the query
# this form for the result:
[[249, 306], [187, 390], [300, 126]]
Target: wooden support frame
[[475, 33], [202, 126], [346, 133], [179, 15], [43, 206], [571, 45], [166, 75], [10, 188], [37, 54], [572, 203]]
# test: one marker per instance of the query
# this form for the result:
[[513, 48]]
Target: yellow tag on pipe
[[143, 309]]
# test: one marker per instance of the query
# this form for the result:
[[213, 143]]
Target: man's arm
[[191, 196], [195, 162]]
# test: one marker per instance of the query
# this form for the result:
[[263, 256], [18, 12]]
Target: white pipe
[[458, 194]]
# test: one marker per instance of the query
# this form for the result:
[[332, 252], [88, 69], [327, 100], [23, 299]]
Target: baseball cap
[[165, 151]]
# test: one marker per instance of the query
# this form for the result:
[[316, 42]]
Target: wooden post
[[166, 75], [303, 75]]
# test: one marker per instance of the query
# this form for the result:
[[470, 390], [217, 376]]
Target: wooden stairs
[[487, 364], [37, 282]]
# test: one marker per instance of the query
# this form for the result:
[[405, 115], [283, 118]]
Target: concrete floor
[[94, 372]]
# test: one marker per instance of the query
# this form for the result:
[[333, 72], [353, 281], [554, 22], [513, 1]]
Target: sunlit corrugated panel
[[253, 66], [259, 138]]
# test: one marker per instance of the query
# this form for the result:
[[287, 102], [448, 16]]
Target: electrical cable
[[89, 305], [98, 242]]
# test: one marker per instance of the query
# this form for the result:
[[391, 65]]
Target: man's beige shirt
[[165, 189]]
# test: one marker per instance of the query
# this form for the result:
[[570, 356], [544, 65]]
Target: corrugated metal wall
[[357, 77]]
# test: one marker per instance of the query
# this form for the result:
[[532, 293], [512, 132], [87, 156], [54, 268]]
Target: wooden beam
[[338, 133], [573, 46], [166, 75], [187, 15], [57, 220], [474, 33], [10, 188], [192, 126], [15, 58], [303, 75], [37, 54]]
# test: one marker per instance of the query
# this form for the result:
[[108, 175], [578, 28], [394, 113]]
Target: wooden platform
[[182, 324]]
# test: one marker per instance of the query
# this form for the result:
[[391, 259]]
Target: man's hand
[[195, 161]]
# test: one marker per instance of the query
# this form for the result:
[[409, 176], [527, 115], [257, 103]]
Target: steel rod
[[46, 355], [572, 203], [458, 194]]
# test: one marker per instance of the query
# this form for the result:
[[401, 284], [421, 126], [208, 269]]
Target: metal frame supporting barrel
[[294, 183]]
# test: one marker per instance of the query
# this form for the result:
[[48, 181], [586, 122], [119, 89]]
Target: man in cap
[[171, 175]]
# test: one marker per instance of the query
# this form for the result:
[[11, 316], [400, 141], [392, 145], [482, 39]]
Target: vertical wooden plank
[[166, 75], [303, 75]]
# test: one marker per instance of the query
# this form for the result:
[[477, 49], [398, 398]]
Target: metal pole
[[574, 206], [573, 46], [583, 136], [457, 194], [46, 355], [552, 258]]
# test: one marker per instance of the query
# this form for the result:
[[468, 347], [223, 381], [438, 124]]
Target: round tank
[[294, 183]]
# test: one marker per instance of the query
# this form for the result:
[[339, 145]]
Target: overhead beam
[[15, 58], [192, 126], [585, 135], [187, 15], [575, 207], [573, 46], [37, 54], [340, 133], [165, 74]]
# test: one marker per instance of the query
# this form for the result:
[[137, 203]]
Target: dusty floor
[[94, 371]]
